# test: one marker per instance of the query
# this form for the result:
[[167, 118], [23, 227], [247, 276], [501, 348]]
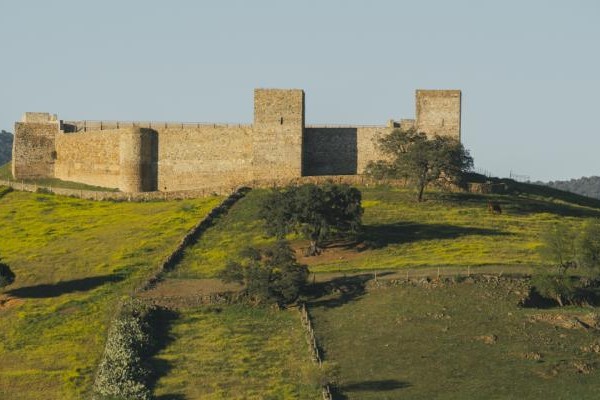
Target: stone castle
[[276, 148]]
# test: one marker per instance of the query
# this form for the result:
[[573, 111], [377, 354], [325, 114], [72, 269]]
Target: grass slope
[[236, 352], [74, 259], [464, 341], [449, 229]]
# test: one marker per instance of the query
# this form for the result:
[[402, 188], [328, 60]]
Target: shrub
[[558, 287], [122, 373], [270, 275], [588, 247]]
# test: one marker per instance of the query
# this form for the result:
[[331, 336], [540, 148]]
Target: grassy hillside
[[460, 341], [449, 229], [236, 352], [73, 259]]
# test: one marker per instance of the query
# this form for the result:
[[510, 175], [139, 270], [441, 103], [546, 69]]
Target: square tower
[[277, 134], [438, 112]]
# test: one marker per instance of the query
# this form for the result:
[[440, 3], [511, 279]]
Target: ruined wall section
[[34, 151], [439, 112], [204, 157], [277, 137], [89, 157]]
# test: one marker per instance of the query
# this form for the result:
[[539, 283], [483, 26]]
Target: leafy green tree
[[559, 287], [411, 155], [587, 246], [7, 277], [558, 247], [315, 212], [268, 275]]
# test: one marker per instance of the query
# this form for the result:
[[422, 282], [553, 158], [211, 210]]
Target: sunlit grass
[[236, 352], [449, 229], [86, 255]]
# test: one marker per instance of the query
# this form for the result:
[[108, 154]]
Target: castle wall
[[138, 160], [158, 156], [367, 145], [277, 136], [330, 151], [34, 148], [438, 112], [89, 157], [340, 150], [204, 157]]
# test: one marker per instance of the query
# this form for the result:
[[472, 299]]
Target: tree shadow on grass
[[338, 291], [161, 321], [529, 198], [60, 288], [379, 236], [368, 386]]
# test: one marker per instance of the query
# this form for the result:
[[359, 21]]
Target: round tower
[[133, 160]]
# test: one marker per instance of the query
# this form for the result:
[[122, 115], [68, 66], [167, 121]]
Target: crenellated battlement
[[139, 156]]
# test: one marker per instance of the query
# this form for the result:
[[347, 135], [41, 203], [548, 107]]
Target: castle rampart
[[162, 156]]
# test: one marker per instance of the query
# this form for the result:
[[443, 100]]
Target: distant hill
[[6, 140], [585, 186]]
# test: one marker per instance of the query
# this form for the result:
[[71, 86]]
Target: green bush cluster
[[268, 275], [565, 247], [122, 373], [315, 212]]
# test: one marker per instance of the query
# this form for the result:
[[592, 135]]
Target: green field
[[461, 341], [449, 229], [236, 352], [74, 259]]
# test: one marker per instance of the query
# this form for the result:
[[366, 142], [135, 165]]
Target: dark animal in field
[[494, 207]]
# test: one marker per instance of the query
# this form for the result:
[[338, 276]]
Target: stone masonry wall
[[330, 151], [277, 148], [438, 112], [277, 136], [340, 150], [89, 157], [367, 145], [34, 150], [196, 158]]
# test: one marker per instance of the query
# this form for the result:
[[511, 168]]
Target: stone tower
[[438, 112], [278, 128], [34, 150], [138, 152]]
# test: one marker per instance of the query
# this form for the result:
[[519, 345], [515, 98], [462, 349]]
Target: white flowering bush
[[121, 373]]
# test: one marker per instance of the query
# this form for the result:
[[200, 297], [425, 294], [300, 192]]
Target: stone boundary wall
[[192, 237], [193, 194], [313, 346]]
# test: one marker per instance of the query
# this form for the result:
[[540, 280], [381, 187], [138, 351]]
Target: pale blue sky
[[529, 70]]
